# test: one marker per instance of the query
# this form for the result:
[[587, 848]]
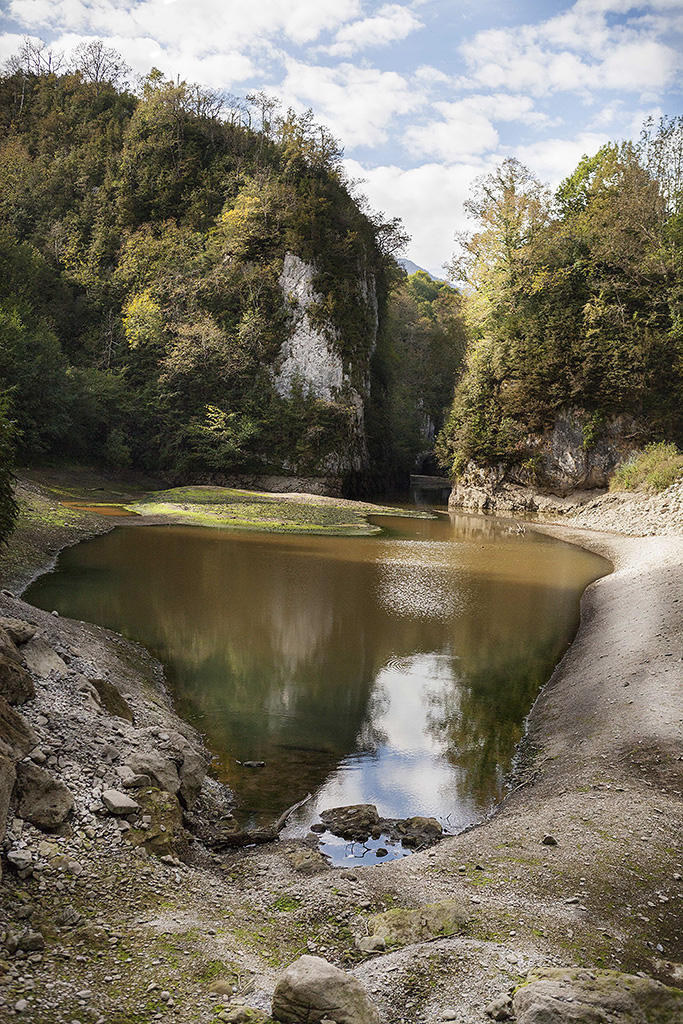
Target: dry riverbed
[[131, 918]]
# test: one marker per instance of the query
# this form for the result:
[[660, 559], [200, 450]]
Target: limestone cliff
[[311, 357], [563, 466]]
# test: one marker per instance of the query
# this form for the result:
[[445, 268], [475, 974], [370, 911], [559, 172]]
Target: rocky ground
[[635, 514], [565, 905]]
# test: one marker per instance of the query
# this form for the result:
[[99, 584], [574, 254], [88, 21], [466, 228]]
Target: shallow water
[[395, 670]]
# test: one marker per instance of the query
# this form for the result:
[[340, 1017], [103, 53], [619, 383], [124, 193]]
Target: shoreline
[[582, 786]]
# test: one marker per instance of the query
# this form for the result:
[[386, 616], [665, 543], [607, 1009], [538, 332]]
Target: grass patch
[[657, 467], [255, 510]]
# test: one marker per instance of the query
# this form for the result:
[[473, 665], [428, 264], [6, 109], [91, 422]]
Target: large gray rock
[[7, 778], [355, 821], [41, 799], [41, 659], [19, 632], [118, 803], [16, 685], [557, 995], [311, 989], [111, 699], [15, 732], [160, 770]]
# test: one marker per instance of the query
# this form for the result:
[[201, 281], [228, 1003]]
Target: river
[[396, 669]]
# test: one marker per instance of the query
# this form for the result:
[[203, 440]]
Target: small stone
[[372, 944], [21, 1005], [20, 859], [164, 996], [549, 840]]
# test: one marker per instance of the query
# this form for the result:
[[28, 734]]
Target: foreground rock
[[41, 799], [357, 821], [595, 997], [360, 822], [312, 990]]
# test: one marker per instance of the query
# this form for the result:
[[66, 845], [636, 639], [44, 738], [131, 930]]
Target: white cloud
[[358, 103], [467, 127], [428, 199], [553, 159], [391, 23], [580, 49]]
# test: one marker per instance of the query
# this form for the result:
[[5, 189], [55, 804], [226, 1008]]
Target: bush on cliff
[[657, 467]]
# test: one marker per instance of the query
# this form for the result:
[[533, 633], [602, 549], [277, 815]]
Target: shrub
[[654, 469]]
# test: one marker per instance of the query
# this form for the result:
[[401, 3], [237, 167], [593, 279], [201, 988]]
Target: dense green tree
[[142, 237], [572, 301]]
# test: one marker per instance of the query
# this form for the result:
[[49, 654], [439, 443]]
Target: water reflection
[[394, 670]]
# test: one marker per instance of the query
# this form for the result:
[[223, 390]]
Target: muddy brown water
[[395, 670]]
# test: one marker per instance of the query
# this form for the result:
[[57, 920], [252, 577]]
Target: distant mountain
[[412, 268]]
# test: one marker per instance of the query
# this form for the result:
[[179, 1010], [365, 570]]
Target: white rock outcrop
[[310, 356], [307, 355]]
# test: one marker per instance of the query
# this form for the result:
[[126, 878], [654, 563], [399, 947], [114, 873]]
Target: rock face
[[564, 460], [311, 356], [564, 995], [311, 990], [42, 800]]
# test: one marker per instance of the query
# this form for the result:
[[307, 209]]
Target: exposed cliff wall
[[555, 470], [311, 360]]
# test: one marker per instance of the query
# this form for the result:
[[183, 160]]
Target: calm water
[[394, 670]]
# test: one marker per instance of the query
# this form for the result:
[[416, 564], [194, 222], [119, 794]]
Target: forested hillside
[[574, 308], [167, 265]]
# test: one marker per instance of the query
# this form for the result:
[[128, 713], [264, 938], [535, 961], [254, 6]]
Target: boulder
[[41, 799], [557, 995], [311, 989], [41, 659], [160, 829], [19, 632], [418, 831], [192, 773], [111, 699], [191, 766], [20, 859], [160, 770], [307, 861], [15, 732], [7, 646], [353, 822], [399, 927], [119, 803], [16, 685], [7, 779]]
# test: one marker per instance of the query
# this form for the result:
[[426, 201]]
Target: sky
[[424, 95]]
